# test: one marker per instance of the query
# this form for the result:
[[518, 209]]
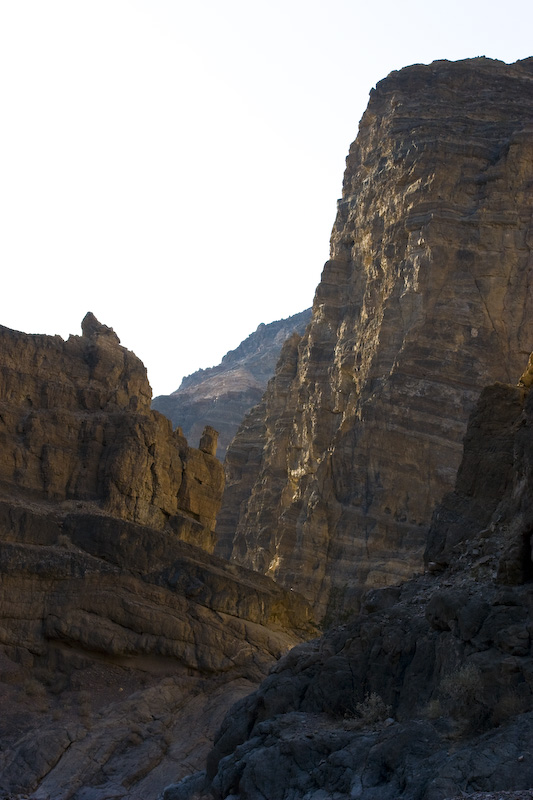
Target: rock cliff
[[221, 396], [331, 484], [123, 649], [75, 422], [121, 644], [427, 693]]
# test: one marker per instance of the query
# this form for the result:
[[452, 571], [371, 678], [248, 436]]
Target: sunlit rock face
[[426, 298], [425, 692], [75, 423]]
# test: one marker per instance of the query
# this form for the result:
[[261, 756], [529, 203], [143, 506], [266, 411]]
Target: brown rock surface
[[121, 645], [75, 422], [123, 649], [424, 300], [427, 693], [221, 396]]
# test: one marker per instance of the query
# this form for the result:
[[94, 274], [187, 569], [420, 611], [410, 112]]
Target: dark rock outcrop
[[424, 300], [427, 693], [221, 396], [121, 644]]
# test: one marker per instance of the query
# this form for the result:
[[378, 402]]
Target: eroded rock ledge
[[427, 692], [75, 422], [121, 643]]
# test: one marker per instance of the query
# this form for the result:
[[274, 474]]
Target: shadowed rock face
[[331, 484], [120, 651], [221, 396], [121, 644], [75, 422], [427, 692]]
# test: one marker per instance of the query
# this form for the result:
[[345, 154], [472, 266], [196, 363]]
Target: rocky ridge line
[[221, 396], [75, 422], [331, 485]]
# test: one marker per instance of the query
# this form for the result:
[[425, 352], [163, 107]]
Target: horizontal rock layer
[[75, 422], [121, 644], [427, 693], [424, 300], [124, 649]]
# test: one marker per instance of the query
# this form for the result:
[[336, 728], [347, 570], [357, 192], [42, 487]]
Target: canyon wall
[[122, 641], [427, 692], [121, 648], [221, 396], [75, 422], [332, 481]]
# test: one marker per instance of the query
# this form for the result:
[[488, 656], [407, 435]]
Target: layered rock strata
[[424, 300], [121, 646], [221, 396], [75, 422], [124, 649], [427, 693]]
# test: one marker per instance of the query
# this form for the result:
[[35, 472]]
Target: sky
[[173, 166]]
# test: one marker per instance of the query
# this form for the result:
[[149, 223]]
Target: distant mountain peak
[[221, 396]]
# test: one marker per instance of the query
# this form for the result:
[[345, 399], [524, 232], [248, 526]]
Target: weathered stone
[[245, 457], [107, 627], [221, 396], [424, 301], [448, 655], [121, 643], [76, 423], [208, 441]]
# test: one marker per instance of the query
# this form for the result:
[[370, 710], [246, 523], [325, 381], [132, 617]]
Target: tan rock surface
[[121, 644], [426, 298], [75, 422]]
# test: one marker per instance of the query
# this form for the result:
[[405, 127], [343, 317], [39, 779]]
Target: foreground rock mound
[[427, 693], [75, 422], [331, 484], [123, 649], [221, 396], [121, 645]]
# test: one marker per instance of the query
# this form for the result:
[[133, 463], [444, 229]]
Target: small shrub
[[370, 712], [461, 686], [463, 698]]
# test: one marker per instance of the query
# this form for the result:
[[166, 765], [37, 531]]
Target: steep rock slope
[[121, 646], [221, 396], [427, 693], [75, 422], [123, 649], [424, 300]]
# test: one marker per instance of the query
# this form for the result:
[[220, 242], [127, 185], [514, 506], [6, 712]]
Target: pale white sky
[[174, 166]]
